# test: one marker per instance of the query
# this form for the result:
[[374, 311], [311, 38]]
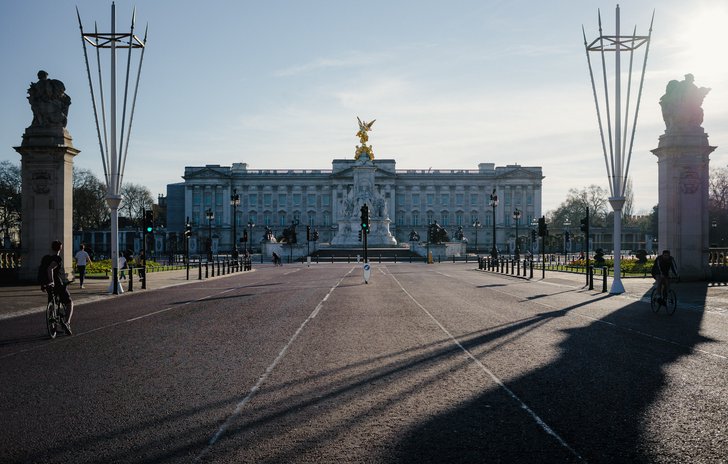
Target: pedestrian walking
[[82, 260], [122, 265]]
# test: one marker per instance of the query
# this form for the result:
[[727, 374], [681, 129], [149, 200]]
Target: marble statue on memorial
[[682, 105], [49, 102]]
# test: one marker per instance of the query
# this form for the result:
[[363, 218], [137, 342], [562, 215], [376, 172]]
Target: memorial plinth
[[683, 222], [47, 205]]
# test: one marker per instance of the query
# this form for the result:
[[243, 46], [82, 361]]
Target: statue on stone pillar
[[49, 102], [682, 105]]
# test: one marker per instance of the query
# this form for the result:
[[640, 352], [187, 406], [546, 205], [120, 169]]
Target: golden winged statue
[[364, 127]]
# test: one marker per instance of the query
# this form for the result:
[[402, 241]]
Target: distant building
[[413, 198]]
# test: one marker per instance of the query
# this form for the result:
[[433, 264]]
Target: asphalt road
[[423, 364]]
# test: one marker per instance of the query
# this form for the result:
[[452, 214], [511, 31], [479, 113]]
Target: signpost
[[367, 272]]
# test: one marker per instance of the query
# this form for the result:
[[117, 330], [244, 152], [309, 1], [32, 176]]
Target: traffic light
[[542, 227], [360, 234], [584, 225], [245, 235], [188, 230], [308, 233], [315, 236], [365, 218], [148, 221]]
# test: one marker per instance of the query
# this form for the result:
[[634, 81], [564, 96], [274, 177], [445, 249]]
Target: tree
[[628, 208], [134, 200], [90, 210], [574, 207], [718, 206], [10, 201]]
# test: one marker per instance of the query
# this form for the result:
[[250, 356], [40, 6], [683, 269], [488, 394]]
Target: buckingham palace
[[265, 201]]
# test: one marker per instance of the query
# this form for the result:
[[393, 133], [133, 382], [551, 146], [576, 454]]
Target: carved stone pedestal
[[47, 184], [683, 166]]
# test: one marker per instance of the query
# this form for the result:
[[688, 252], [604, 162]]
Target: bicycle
[[56, 314], [660, 298]]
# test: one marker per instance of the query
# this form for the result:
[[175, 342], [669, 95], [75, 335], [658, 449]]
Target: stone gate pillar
[[683, 174], [47, 178]]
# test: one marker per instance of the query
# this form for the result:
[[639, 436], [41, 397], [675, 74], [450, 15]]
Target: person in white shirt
[[82, 259], [122, 266]]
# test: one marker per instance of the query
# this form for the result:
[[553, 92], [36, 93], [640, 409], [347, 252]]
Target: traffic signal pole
[[585, 229], [365, 228]]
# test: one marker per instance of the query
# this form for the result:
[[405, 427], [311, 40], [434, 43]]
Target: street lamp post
[[476, 226], [210, 216], [251, 224], [517, 217], [494, 204], [235, 202]]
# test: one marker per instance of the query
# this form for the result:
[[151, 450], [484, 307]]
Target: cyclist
[[661, 272], [57, 285]]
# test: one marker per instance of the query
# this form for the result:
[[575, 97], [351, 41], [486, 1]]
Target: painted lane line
[[616, 326], [545, 427], [116, 324], [239, 407]]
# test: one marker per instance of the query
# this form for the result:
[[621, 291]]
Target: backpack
[[43, 269]]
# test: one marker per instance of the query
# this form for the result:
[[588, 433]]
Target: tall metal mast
[[114, 161], [619, 156]]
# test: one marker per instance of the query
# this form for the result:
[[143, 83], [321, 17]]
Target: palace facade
[[407, 200]]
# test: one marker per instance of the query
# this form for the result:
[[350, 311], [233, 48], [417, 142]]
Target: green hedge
[[628, 265], [104, 266]]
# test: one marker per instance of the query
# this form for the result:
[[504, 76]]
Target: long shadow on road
[[595, 396]]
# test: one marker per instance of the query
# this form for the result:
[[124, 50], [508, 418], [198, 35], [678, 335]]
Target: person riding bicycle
[[57, 285], [661, 271]]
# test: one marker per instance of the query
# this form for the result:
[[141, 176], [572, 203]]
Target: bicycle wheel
[[51, 319], [671, 303], [654, 300]]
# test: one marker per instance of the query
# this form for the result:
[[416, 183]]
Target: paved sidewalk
[[28, 299]]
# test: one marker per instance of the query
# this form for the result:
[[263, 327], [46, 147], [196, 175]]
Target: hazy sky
[[279, 84]]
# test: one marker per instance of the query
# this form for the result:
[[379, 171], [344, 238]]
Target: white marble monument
[[348, 211]]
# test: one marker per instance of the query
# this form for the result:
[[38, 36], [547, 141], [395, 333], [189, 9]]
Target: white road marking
[[616, 326], [239, 407], [495, 379], [118, 323]]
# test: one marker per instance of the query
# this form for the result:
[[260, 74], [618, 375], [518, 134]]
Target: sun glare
[[703, 40]]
